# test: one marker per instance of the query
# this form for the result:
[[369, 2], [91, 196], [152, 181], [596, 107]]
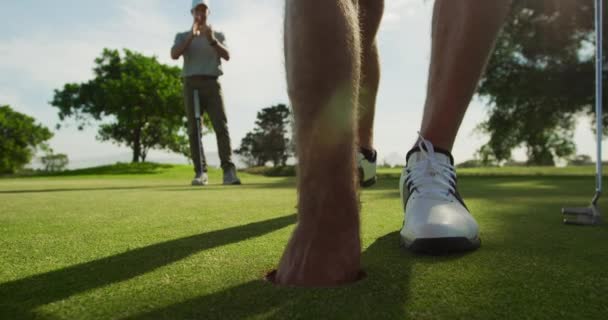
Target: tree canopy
[[138, 99], [269, 141], [20, 138], [539, 80]]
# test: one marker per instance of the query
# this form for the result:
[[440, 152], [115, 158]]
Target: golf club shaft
[[198, 117], [599, 26]]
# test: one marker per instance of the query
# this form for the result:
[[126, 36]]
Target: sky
[[45, 44]]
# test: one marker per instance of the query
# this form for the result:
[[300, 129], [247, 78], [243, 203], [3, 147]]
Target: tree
[[139, 99], [54, 162], [20, 138], [581, 160], [269, 140], [472, 163], [539, 79], [251, 150]]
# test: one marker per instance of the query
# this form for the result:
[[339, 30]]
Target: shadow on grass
[[530, 266], [515, 281], [533, 266], [511, 279], [503, 187], [383, 294], [20, 298]]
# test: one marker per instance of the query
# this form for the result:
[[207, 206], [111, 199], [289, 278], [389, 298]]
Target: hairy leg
[[322, 48], [464, 33], [370, 15]]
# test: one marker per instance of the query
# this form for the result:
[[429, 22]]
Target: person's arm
[[180, 46], [219, 47]]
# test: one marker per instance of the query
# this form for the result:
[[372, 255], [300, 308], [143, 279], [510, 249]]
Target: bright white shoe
[[367, 169], [200, 179], [436, 219]]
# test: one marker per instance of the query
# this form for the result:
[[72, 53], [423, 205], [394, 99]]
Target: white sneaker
[[200, 179], [367, 169], [436, 219]]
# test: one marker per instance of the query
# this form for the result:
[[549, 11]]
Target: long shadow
[[19, 298], [534, 266], [530, 266], [382, 295], [552, 261], [502, 186], [390, 181]]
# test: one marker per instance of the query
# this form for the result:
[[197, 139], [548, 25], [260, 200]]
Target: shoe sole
[[441, 246], [368, 183]]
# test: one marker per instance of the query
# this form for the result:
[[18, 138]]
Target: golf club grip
[[598, 90]]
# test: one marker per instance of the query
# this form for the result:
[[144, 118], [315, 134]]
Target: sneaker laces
[[430, 176]]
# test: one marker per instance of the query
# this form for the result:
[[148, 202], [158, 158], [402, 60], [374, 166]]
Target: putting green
[[139, 243]]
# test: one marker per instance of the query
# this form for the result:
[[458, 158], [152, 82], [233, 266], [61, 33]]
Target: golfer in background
[[203, 50]]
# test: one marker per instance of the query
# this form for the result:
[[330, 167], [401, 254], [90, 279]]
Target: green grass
[[142, 244]]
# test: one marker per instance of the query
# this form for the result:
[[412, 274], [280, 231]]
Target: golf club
[[592, 215], [198, 117]]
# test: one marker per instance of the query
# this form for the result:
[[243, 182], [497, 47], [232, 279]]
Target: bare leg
[[323, 61], [370, 14], [464, 34]]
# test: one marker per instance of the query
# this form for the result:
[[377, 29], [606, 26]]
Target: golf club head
[[587, 216]]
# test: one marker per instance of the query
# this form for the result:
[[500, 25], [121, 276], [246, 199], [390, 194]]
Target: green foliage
[[132, 169], [539, 79], [269, 141], [473, 163], [20, 137], [282, 171], [581, 160], [139, 100], [55, 162]]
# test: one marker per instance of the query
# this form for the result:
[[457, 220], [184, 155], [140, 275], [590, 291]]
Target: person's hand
[[209, 34], [196, 29]]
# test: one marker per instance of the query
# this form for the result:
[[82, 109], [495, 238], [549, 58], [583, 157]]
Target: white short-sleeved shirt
[[200, 58]]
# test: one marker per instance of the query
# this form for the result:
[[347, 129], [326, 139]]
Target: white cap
[[196, 3]]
